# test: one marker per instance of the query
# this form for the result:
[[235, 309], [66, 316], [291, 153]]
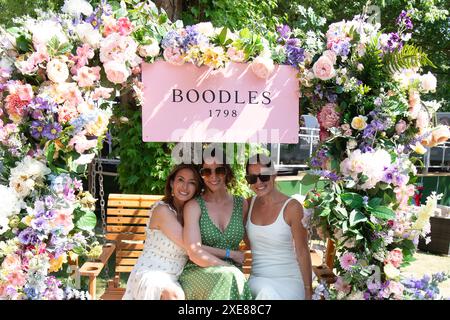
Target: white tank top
[[273, 251]]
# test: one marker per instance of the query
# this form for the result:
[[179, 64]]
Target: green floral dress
[[217, 282]]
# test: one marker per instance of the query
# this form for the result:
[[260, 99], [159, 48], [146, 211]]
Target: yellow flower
[[419, 148], [56, 264], [27, 220], [214, 57], [359, 123]]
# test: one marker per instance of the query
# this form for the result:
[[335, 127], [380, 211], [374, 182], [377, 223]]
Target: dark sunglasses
[[252, 178], [206, 172]]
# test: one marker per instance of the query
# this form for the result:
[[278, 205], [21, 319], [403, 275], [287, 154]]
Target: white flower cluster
[[11, 205], [26, 175]]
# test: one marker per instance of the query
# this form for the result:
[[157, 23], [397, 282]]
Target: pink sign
[[197, 104]]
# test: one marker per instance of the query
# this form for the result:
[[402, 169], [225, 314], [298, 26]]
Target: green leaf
[[356, 217], [353, 200], [223, 35], [309, 179], [325, 212], [49, 152], [374, 202], [382, 212], [87, 221], [23, 44]]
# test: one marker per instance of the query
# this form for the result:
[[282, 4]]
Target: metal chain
[[102, 203]]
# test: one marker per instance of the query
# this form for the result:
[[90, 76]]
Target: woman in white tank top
[[281, 262]]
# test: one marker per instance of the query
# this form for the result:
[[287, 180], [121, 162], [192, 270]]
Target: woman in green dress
[[213, 229]]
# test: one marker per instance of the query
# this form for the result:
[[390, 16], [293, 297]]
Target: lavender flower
[[171, 40], [404, 19], [52, 131], [192, 38], [37, 129], [294, 55], [284, 31]]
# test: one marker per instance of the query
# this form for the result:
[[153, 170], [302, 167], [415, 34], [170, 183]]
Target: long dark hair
[[168, 197], [262, 159]]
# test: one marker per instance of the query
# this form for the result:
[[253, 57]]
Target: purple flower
[[294, 55], [284, 31], [192, 38], [37, 129], [171, 40], [52, 131], [50, 214], [49, 201], [365, 200], [28, 236], [94, 20], [404, 19]]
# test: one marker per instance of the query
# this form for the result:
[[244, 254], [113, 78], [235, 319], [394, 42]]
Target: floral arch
[[60, 74]]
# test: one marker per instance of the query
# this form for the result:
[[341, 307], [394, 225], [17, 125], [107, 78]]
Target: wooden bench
[[126, 219]]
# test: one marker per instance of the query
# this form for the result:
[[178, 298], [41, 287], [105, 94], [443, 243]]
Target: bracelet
[[227, 253]]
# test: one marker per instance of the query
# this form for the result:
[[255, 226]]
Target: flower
[[88, 35], [86, 77], [77, 7], [428, 82], [342, 285], [52, 131], [391, 271], [323, 68], [400, 127], [414, 104], [359, 122], [328, 117], [348, 260], [116, 72], [418, 148], [125, 26], [173, 56], [235, 55], [439, 135], [149, 50], [57, 71], [262, 67], [395, 257], [44, 31]]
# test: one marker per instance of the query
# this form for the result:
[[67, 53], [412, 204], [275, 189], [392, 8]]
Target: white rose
[[44, 31], [77, 7], [262, 67], [57, 71], [89, 35], [428, 82], [150, 50], [205, 28]]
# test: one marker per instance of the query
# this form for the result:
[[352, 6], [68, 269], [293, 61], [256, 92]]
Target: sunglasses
[[206, 172], [252, 178]]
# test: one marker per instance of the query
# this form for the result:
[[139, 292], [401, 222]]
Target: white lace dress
[[158, 267]]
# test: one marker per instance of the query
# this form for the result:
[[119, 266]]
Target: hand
[[237, 256]]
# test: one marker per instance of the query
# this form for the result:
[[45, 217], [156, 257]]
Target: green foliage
[[407, 58], [13, 8], [143, 166]]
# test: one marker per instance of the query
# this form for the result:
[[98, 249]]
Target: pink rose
[[86, 76], [323, 68], [262, 67], [330, 54], [102, 93], [328, 117], [116, 72], [395, 257], [173, 56], [400, 127], [82, 144], [124, 26]]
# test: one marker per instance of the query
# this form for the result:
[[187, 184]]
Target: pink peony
[[395, 257], [102, 93], [173, 56], [67, 113], [323, 68], [262, 67], [15, 107], [82, 144], [17, 278], [87, 77], [328, 117], [347, 261], [125, 26], [64, 219], [116, 72]]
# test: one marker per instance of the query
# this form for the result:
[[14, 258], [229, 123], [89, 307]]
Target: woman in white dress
[[281, 261], [155, 275]]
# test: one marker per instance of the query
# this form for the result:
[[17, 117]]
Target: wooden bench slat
[[121, 196], [131, 246], [127, 212], [120, 229], [124, 268], [125, 261], [134, 237], [131, 203], [129, 254], [126, 220]]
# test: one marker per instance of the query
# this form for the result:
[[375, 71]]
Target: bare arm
[[192, 238], [294, 215], [165, 220], [245, 217]]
